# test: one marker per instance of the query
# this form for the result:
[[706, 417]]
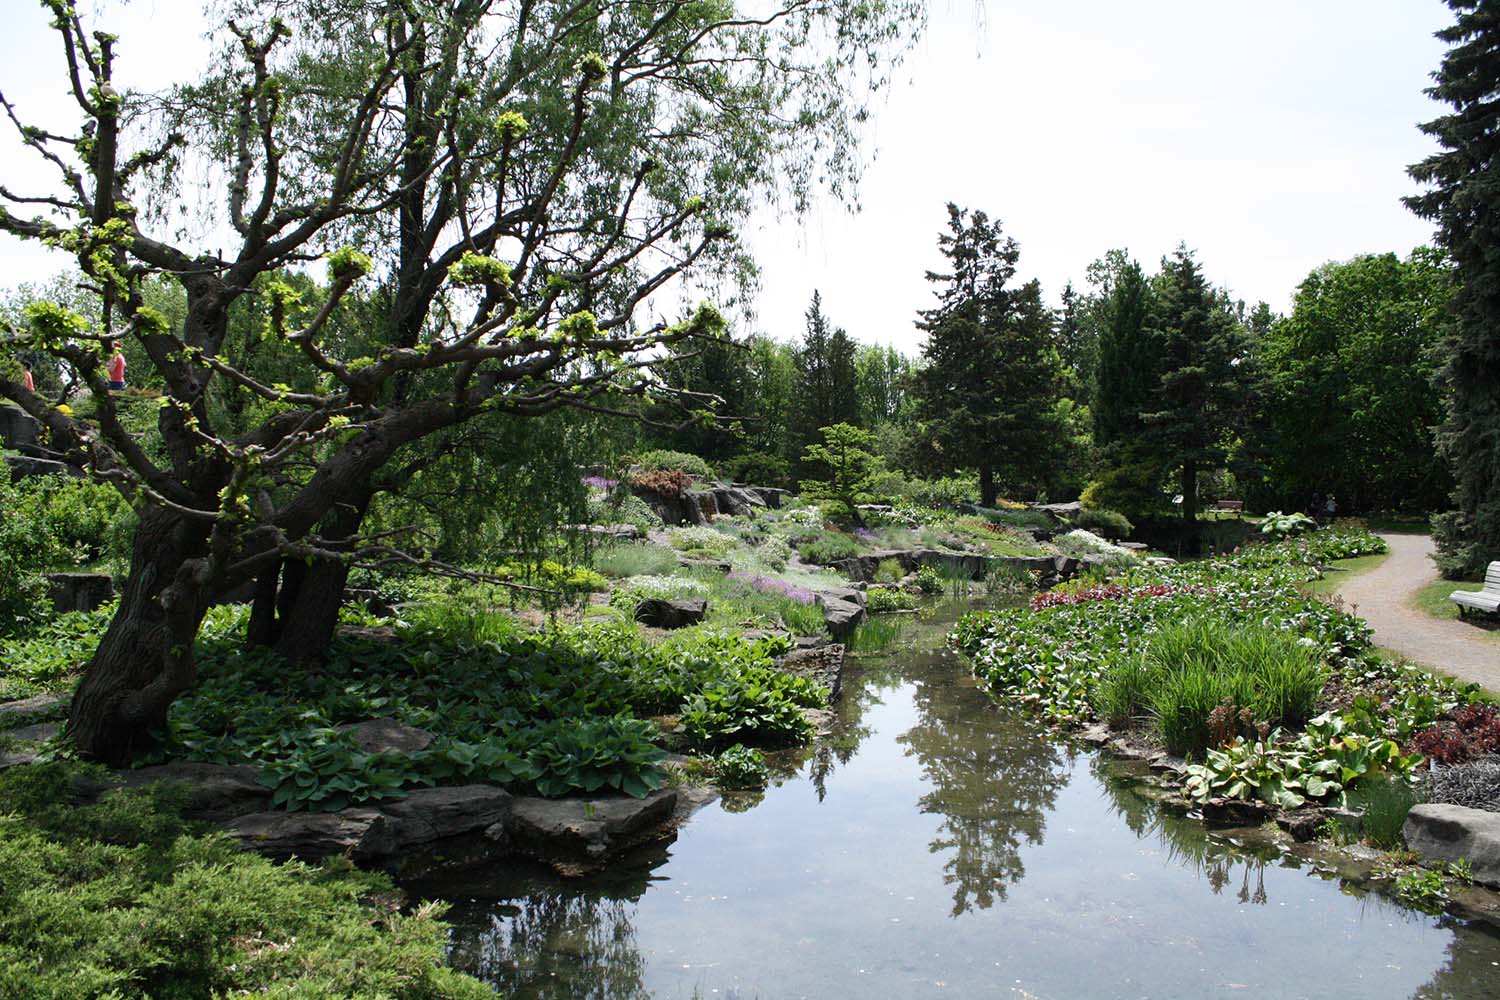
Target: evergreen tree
[[825, 376], [1203, 386], [988, 392], [1464, 201], [1125, 370]]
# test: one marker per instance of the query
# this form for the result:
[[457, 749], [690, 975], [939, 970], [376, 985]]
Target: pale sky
[[1271, 136]]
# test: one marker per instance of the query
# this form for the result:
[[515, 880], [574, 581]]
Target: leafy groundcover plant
[[124, 899]]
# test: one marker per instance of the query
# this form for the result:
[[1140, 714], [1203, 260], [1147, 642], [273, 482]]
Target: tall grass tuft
[[1191, 668], [1386, 802], [635, 559]]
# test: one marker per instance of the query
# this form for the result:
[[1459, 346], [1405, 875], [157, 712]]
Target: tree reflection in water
[[1184, 841], [550, 941], [993, 778]]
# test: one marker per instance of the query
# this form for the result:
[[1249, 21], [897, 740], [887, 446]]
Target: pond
[[943, 848]]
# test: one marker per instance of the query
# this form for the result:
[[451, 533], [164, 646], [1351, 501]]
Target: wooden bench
[[1487, 599], [1236, 506]]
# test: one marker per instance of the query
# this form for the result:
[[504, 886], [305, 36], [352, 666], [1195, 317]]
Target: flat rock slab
[[430, 814], [215, 792], [387, 736], [1440, 832], [37, 704], [587, 827], [40, 732], [362, 833]]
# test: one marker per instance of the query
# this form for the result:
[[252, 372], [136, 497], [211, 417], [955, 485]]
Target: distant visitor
[[117, 368]]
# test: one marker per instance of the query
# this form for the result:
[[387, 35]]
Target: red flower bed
[[1110, 592]]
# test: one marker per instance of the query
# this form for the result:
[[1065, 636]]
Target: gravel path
[[1380, 597]]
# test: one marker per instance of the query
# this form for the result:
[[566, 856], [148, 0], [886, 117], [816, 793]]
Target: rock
[[22, 467], [1064, 566], [40, 732], [587, 827], [1302, 824], [610, 532], [215, 792], [429, 814], [25, 754], [18, 429], [37, 704], [387, 736], [662, 612], [79, 591], [364, 834], [840, 617], [824, 664], [1063, 510], [735, 500], [1234, 812], [1441, 832], [1095, 735]]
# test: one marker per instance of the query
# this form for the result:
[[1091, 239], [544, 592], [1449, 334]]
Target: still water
[[950, 849]]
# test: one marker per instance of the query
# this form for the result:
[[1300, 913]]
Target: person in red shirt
[[26, 379], [117, 369]]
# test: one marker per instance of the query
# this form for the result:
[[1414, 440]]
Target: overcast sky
[[1270, 136]]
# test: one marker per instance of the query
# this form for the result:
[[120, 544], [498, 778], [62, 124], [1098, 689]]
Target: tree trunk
[[297, 604], [1189, 483], [145, 659], [986, 486]]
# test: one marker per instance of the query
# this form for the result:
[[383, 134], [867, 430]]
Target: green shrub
[[674, 461], [624, 559], [702, 540], [881, 600], [121, 898], [826, 547], [26, 548], [1133, 488], [929, 581], [758, 468], [623, 508], [889, 571], [1110, 524], [1279, 525], [741, 767]]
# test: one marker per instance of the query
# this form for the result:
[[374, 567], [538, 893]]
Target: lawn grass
[[1432, 600], [1342, 570]]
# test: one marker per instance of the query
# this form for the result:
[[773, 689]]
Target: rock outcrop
[[1441, 832], [662, 612], [79, 591]]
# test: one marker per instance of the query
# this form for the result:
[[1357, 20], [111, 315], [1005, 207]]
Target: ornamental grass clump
[[1189, 671]]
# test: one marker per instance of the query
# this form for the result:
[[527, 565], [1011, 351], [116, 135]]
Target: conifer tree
[[992, 377], [1202, 390], [1464, 201], [1125, 360], [825, 376]]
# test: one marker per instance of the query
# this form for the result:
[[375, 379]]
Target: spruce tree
[[825, 377], [1125, 372], [987, 393], [1464, 202], [1203, 386]]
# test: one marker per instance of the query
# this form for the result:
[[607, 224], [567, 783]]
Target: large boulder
[[430, 814], [18, 429], [79, 591], [589, 828], [662, 612], [1442, 832], [840, 616], [215, 792], [387, 736], [22, 466], [365, 834]]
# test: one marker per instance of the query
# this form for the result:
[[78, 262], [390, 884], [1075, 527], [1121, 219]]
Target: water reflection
[[930, 805], [992, 784]]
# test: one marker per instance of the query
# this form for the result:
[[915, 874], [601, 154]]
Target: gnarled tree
[[492, 188]]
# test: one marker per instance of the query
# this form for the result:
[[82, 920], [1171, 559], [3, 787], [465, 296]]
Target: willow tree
[[496, 188]]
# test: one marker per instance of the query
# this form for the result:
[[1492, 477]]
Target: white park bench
[[1487, 599]]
